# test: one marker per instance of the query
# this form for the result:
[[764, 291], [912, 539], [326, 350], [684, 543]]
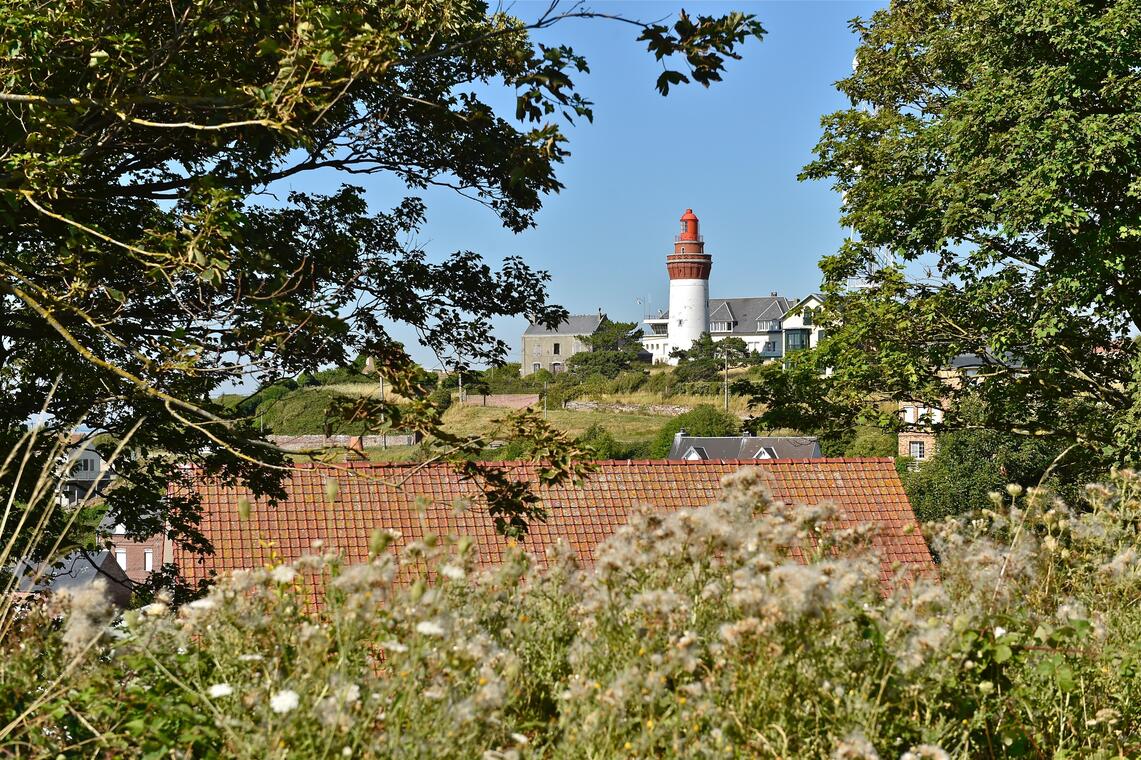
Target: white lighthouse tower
[[688, 267]]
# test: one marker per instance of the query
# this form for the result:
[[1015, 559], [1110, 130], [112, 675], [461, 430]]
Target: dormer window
[[721, 327]]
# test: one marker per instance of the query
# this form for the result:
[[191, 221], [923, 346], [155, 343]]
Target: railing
[[681, 239]]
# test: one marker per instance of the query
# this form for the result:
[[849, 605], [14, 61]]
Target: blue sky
[[730, 152]]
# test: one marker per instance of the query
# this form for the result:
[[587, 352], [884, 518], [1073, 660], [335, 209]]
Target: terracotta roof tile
[[391, 496]]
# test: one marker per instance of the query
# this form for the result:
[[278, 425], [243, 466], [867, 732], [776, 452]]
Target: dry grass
[[478, 420], [737, 404]]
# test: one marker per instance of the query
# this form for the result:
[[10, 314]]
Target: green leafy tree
[[990, 164], [614, 348], [707, 359], [704, 419], [970, 464], [150, 252]]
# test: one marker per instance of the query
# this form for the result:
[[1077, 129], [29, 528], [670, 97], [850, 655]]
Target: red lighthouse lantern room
[[688, 226]]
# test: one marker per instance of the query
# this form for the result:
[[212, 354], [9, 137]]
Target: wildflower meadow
[[748, 628]]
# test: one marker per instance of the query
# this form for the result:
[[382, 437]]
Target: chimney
[[773, 294]]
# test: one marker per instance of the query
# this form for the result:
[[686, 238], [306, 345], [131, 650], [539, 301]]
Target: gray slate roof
[[575, 324], [746, 311], [75, 572], [746, 447]]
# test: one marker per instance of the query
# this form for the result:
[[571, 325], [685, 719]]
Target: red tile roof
[[433, 499]]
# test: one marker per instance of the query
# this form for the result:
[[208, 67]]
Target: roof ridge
[[516, 464]]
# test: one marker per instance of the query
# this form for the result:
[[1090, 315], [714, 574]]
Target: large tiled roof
[[433, 499], [575, 324]]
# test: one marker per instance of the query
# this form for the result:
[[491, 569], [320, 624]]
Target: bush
[[662, 383], [628, 382], [441, 397], [600, 443], [871, 442], [701, 420], [706, 633], [970, 464]]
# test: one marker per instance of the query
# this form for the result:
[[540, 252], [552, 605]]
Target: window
[[807, 316], [770, 346], [121, 558], [918, 450], [555, 350], [796, 340], [536, 350], [557, 367], [658, 329], [767, 325], [536, 367], [148, 559], [721, 327]]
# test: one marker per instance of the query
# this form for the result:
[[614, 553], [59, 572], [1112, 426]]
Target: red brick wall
[[136, 555]]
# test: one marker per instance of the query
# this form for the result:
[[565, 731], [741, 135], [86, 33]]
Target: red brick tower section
[[689, 261]]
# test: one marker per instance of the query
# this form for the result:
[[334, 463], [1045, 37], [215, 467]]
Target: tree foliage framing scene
[[150, 258], [216, 222]]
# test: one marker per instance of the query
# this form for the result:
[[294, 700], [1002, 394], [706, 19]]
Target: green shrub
[[969, 464], [629, 382], [662, 383], [872, 442], [441, 397], [707, 633], [701, 420]]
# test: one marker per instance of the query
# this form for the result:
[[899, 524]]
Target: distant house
[[137, 558], [917, 438], [582, 516], [692, 448], [74, 572], [549, 348], [919, 420], [86, 473]]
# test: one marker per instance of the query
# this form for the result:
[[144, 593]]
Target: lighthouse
[[688, 267]]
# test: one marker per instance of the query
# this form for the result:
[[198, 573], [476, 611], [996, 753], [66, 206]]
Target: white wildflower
[[155, 609], [220, 690], [393, 646], [855, 747], [999, 631], [453, 572], [283, 574], [520, 739], [925, 752], [429, 628], [203, 604], [88, 615], [250, 658], [284, 701]]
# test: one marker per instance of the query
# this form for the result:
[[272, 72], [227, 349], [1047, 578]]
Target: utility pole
[[726, 380]]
